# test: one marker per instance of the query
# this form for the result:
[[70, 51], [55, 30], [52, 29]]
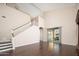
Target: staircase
[[5, 46]]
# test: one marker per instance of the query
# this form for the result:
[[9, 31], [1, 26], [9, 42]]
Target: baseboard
[[68, 45]]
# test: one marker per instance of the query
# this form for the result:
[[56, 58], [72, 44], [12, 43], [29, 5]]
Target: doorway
[[54, 35], [41, 34]]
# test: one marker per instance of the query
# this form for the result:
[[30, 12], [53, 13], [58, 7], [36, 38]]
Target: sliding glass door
[[50, 36], [54, 35]]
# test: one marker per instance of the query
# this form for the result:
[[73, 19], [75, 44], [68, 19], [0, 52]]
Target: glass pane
[[50, 36], [56, 35]]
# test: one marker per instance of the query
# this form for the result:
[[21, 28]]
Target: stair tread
[[5, 42], [6, 50], [6, 45], [2, 48]]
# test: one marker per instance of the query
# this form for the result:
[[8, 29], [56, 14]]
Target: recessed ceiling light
[[3, 16]]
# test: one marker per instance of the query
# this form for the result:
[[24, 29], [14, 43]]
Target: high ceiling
[[35, 9], [51, 6]]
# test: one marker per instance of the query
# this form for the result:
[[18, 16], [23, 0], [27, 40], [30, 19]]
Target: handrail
[[21, 26], [14, 30]]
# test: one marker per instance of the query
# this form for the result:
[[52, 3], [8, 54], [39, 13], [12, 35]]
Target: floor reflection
[[54, 48], [50, 46]]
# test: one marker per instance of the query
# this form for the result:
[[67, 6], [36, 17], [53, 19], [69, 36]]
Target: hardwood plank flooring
[[43, 49]]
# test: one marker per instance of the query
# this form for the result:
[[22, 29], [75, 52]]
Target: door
[[54, 35], [50, 36]]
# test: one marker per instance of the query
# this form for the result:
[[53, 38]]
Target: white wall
[[14, 17], [41, 21], [5, 33], [29, 36], [65, 18]]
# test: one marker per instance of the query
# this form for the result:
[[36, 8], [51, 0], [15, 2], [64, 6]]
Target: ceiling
[[51, 6], [35, 9]]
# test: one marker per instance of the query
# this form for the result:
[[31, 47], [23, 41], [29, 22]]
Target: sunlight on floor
[[51, 46]]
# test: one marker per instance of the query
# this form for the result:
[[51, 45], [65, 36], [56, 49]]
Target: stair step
[[5, 47], [6, 50], [5, 42]]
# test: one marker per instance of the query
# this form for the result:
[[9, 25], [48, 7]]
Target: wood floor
[[43, 49]]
